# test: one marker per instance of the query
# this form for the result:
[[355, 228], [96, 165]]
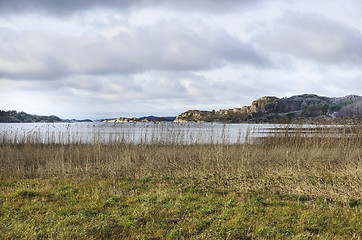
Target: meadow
[[295, 183]]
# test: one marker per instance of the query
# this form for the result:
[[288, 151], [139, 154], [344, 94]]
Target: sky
[[131, 58]]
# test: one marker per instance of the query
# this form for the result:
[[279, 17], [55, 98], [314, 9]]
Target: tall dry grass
[[323, 160]]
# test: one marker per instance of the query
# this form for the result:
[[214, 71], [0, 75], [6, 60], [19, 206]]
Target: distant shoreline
[[268, 109]]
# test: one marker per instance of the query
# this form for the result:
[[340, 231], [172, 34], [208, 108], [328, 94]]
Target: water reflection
[[156, 133]]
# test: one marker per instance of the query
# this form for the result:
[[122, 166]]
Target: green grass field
[[168, 208], [287, 186]]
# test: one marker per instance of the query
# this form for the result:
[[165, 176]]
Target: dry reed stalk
[[327, 163]]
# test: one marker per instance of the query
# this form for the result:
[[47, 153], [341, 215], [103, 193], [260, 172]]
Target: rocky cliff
[[226, 115], [312, 107], [273, 109]]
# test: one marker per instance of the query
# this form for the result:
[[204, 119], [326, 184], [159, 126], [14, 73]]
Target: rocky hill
[[22, 117], [273, 109]]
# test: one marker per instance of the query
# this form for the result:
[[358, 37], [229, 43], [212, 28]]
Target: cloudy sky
[[110, 58]]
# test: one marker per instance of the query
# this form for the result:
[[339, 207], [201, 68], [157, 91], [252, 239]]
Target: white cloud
[[314, 37], [169, 45]]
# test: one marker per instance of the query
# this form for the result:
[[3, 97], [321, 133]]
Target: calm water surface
[[162, 132]]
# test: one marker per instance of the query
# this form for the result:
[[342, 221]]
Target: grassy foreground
[[288, 186], [168, 208]]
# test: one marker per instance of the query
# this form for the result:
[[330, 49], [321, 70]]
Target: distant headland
[[268, 109], [23, 117], [272, 109]]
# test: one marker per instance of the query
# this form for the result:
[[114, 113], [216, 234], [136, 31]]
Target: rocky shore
[[272, 109]]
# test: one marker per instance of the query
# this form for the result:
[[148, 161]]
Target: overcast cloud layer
[[95, 59], [69, 7]]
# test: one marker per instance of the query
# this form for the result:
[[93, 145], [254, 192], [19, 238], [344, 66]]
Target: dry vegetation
[[328, 162], [289, 165]]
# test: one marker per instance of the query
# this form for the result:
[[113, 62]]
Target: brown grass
[[293, 161]]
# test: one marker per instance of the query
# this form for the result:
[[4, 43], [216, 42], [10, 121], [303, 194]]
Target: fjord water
[[159, 133]]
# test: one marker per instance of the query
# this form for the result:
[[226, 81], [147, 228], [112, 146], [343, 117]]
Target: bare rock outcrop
[[226, 115], [273, 109], [196, 116]]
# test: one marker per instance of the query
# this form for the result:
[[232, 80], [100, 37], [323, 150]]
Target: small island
[[126, 120]]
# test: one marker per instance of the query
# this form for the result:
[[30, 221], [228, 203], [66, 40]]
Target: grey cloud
[[68, 7], [181, 86], [57, 7], [314, 37], [26, 55], [168, 46], [208, 5], [156, 87]]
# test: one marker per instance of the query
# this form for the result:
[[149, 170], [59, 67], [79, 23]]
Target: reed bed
[[320, 160]]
